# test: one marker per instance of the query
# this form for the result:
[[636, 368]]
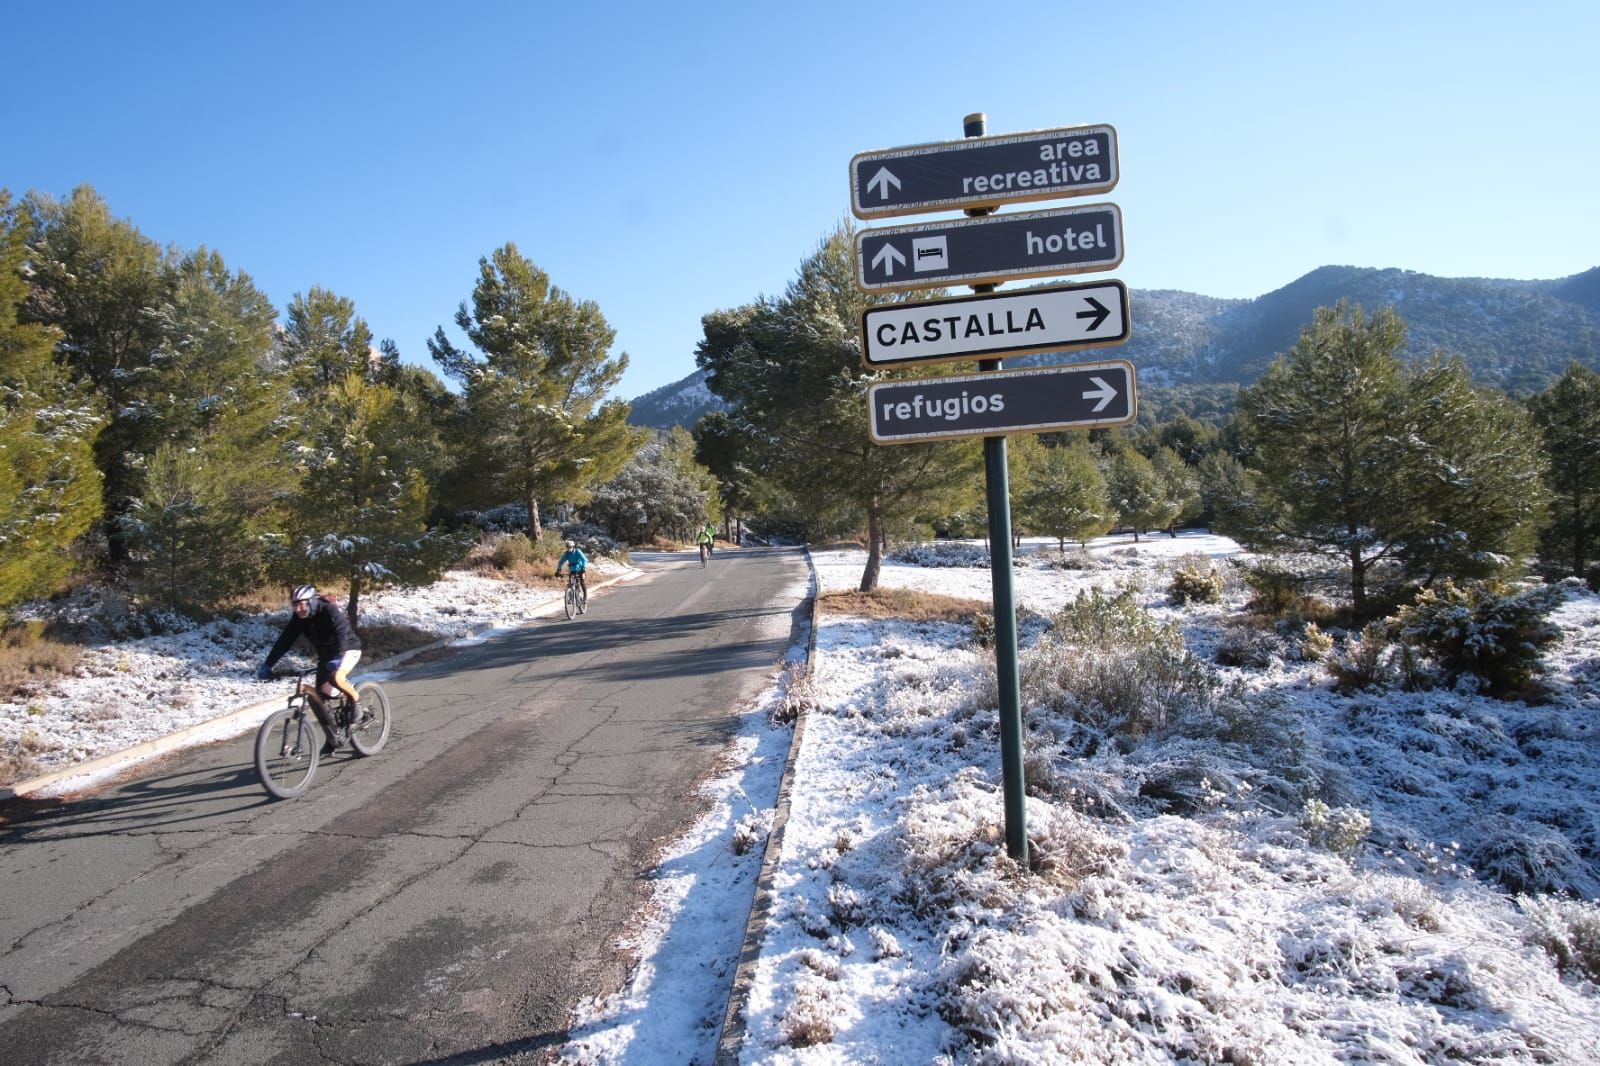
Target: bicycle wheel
[[703, 554], [571, 601], [287, 751], [370, 731], [583, 599]]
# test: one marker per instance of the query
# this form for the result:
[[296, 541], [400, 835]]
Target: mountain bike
[[287, 746], [576, 599], [705, 553]]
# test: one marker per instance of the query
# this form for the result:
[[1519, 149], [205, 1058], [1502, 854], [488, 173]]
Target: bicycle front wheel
[[370, 730], [571, 601], [287, 752]]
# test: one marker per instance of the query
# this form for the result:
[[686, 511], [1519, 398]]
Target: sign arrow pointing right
[[1099, 313], [1105, 394]]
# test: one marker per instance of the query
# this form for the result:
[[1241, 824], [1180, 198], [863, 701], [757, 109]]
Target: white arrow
[[883, 179], [1105, 394], [886, 259]]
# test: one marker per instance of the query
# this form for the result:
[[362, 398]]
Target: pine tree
[[212, 490], [360, 514], [1568, 417], [791, 368], [1136, 493], [97, 279], [1060, 491], [1358, 459], [535, 394], [49, 484]]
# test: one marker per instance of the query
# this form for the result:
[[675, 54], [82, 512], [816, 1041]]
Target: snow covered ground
[[1179, 910]]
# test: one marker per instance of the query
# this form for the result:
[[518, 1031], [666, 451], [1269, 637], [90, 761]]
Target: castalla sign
[[995, 325], [990, 249], [1003, 402], [984, 172]]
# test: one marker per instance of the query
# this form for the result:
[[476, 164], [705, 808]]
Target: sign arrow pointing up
[[881, 181], [1105, 394], [1099, 313], [887, 257]]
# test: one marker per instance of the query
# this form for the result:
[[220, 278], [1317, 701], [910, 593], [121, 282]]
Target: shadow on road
[[158, 801]]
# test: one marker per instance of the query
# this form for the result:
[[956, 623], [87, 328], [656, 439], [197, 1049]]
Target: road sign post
[[995, 325], [977, 175]]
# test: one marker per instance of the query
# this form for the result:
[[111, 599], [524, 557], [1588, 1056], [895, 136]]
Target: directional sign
[[984, 171], [995, 325], [994, 248], [1036, 400]]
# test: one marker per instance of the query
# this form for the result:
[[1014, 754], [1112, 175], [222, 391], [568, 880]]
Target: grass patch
[[381, 641], [902, 603], [30, 659]]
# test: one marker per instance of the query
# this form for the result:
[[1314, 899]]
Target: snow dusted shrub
[[1065, 847], [1246, 645], [1484, 631], [747, 834], [1275, 589], [1341, 830], [1365, 662], [1530, 858], [1315, 645], [846, 906], [1113, 666], [942, 554], [512, 551], [884, 944], [799, 695], [1568, 931], [809, 1019], [1195, 580]]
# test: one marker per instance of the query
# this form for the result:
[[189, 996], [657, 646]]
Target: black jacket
[[325, 625]]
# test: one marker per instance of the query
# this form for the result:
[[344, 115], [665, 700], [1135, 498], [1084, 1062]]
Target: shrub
[[1527, 857], [513, 551], [1486, 631], [1276, 590], [1365, 662], [1195, 581], [1569, 931], [1340, 830], [1112, 665]]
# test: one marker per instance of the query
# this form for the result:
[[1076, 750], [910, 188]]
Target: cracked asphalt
[[446, 901]]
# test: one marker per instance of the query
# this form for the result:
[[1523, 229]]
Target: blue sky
[[667, 160]]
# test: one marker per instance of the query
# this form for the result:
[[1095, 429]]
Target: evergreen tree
[[213, 413], [97, 280], [1137, 496], [662, 489], [1179, 486], [1568, 417], [1474, 476], [1060, 492], [535, 395], [360, 515], [49, 484], [1356, 459], [791, 369]]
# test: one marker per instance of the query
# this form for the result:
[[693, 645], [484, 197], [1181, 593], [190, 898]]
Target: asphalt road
[[448, 900]]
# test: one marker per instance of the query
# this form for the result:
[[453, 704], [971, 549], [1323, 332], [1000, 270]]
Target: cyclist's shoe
[[329, 748]]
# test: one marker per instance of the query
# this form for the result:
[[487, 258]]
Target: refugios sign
[[1000, 403]]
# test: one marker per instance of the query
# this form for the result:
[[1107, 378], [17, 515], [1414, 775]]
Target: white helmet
[[303, 592], [572, 544]]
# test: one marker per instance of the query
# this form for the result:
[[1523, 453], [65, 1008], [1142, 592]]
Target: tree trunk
[[869, 576], [1358, 583], [535, 530], [352, 608]]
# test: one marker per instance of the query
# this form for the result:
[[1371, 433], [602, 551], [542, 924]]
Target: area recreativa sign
[[984, 172]]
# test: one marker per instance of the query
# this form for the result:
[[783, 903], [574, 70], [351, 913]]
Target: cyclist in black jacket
[[338, 649]]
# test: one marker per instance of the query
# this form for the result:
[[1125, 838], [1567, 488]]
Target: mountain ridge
[[1515, 335]]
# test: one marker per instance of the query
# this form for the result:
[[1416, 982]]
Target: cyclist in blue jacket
[[576, 562]]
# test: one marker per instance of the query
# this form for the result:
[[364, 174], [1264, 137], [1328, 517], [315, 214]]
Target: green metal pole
[[1005, 609]]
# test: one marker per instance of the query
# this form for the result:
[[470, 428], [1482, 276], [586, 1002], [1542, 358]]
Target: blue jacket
[[574, 559]]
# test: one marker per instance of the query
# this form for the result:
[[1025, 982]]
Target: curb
[[222, 727], [731, 1037]]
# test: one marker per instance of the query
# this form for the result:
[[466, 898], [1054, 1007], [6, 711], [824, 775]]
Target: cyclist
[[706, 540], [338, 649], [576, 563]]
